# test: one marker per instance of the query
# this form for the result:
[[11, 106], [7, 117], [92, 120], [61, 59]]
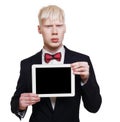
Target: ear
[[39, 29]]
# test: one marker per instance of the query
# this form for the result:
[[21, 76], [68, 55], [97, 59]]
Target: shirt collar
[[62, 50]]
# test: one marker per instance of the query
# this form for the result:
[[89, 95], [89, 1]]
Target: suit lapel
[[48, 102], [38, 58], [68, 56]]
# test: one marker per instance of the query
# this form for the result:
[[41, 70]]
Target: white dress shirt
[[54, 61]]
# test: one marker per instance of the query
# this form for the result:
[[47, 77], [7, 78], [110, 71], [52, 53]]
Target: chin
[[55, 47]]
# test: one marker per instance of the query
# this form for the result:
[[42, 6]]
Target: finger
[[80, 73], [29, 98], [26, 103], [75, 65], [80, 69], [36, 99], [29, 95], [79, 64]]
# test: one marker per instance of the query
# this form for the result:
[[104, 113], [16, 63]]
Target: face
[[52, 33]]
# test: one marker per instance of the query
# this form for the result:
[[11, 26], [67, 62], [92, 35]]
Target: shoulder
[[32, 59]]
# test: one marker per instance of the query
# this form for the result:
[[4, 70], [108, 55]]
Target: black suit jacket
[[66, 108]]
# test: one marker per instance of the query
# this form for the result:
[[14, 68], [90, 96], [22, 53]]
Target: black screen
[[53, 80]]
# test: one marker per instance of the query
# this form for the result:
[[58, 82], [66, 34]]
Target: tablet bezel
[[34, 66]]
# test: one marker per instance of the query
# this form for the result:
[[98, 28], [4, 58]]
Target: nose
[[54, 30]]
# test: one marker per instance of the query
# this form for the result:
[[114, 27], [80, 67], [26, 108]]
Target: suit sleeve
[[21, 88], [91, 92]]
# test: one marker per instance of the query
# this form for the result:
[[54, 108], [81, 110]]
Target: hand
[[27, 99], [82, 69]]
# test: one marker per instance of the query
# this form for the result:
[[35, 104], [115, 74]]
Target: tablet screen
[[53, 80]]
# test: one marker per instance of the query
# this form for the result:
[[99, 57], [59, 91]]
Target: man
[[60, 109]]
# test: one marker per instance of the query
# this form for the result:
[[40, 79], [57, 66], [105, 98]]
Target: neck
[[52, 50]]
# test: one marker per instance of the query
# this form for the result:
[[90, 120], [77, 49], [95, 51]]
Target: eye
[[48, 26], [59, 25]]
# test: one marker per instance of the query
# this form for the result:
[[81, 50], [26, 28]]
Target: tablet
[[53, 80]]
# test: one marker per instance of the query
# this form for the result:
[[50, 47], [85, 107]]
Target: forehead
[[51, 22]]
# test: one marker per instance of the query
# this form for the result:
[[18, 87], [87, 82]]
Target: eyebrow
[[46, 25]]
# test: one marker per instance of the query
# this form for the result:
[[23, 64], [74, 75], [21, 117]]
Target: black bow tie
[[49, 57]]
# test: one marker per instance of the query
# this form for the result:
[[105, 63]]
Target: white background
[[93, 28]]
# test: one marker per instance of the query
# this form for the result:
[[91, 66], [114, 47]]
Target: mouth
[[54, 40]]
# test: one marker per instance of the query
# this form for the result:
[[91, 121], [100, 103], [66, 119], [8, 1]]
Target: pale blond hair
[[52, 12]]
